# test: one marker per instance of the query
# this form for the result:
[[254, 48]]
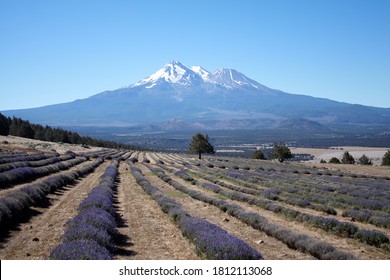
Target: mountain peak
[[173, 72], [176, 74], [233, 79]]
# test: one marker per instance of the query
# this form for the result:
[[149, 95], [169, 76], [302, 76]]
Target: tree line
[[22, 128], [200, 144]]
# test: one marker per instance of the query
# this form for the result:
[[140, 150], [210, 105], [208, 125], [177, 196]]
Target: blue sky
[[58, 51]]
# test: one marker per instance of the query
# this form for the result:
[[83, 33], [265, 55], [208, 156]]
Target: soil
[[150, 234]]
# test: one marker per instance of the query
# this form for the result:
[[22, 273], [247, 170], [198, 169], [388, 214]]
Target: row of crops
[[19, 167], [341, 206]]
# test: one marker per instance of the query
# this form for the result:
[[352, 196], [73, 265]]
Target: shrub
[[80, 250], [258, 155], [184, 175], [364, 160], [88, 232], [372, 237], [358, 215], [334, 160], [215, 243]]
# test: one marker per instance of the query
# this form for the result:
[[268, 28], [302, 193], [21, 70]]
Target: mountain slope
[[197, 96]]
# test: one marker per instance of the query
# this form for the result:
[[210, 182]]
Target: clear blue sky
[[58, 51]]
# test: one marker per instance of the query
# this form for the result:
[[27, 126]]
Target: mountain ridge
[[196, 96]]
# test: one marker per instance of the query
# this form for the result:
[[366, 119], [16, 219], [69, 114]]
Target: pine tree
[[347, 158], [386, 158], [364, 160], [281, 152], [200, 144], [4, 125]]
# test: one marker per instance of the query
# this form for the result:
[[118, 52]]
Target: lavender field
[[111, 204]]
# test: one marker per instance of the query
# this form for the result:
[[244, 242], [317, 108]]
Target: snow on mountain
[[201, 72], [231, 78], [176, 73], [172, 73]]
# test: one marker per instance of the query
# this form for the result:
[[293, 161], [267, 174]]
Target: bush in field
[[347, 158], [258, 155], [334, 160], [386, 158], [215, 243], [80, 250], [184, 175], [364, 160], [372, 237]]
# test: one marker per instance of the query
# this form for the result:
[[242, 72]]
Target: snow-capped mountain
[[195, 97], [177, 74], [174, 73]]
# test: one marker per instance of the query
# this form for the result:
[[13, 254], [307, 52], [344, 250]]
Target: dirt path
[[35, 239], [152, 236], [269, 247]]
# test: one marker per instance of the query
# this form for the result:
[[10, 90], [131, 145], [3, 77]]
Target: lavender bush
[[212, 242], [80, 250]]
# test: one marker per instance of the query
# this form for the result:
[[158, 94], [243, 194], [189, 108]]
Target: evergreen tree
[[364, 160], [334, 160], [4, 125], [347, 158], [200, 144], [386, 158], [281, 152]]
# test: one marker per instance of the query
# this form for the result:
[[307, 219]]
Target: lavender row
[[305, 243], [16, 203], [211, 241], [334, 226], [362, 209], [8, 166], [105, 153], [339, 228], [91, 234], [22, 174], [270, 194], [25, 157], [367, 188], [334, 196]]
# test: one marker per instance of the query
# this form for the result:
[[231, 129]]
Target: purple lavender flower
[[80, 250]]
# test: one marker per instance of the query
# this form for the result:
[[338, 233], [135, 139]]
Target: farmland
[[68, 202]]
